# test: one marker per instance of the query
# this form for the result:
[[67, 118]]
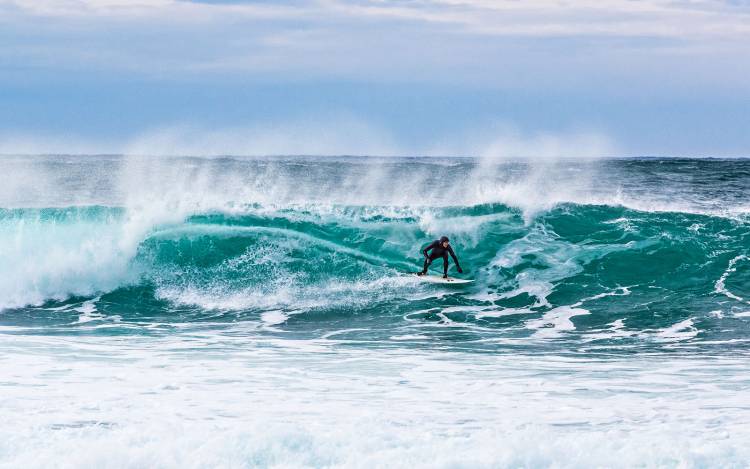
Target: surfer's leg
[[427, 262], [445, 265]]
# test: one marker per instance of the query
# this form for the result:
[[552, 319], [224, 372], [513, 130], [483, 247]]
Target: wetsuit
[[439, 251]]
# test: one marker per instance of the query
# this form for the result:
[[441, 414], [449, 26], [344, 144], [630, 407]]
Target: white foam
[[617, 324], [683, 330], [285, 292], [87, 307], [273, 318], [616, 330], [619, 291], [500, 312], [720, 285], [88, 311], [409, 337], [237, 401], [45, 259], [555, 321]]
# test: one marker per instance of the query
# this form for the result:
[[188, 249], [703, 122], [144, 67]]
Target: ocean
[[262, 312]]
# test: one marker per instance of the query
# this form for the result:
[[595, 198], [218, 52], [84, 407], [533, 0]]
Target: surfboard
[[440, 279]]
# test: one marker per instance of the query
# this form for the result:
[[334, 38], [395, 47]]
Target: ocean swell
[[573, 269]]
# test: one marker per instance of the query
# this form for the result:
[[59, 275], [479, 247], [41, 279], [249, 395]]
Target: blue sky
[[464, 77]]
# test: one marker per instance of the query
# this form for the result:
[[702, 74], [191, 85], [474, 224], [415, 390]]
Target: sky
[[383, 77]]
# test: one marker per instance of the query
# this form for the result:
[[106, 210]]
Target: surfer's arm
[[455, 260]]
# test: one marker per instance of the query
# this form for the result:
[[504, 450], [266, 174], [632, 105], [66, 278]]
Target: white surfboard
[[440, 279]]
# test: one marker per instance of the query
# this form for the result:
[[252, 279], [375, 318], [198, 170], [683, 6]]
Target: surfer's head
[[444, 241]]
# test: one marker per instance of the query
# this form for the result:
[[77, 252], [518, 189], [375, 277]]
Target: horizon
[[353, 156]]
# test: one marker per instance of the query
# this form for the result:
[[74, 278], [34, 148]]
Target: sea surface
[[263, 312]]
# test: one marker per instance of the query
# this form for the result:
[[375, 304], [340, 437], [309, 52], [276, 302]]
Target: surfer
[[439, 248]]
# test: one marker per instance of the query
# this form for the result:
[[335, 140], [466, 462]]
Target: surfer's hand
[[460, 270]]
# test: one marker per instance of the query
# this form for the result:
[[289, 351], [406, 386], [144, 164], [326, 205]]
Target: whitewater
[[263, 312]]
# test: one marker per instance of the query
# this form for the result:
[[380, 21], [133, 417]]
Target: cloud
[[431, 40], [542, 18]]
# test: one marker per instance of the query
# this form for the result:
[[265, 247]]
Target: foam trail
[[720, 286], [556, 321], [683, 330]]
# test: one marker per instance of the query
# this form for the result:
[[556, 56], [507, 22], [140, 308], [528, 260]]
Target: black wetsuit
[[439, 251]]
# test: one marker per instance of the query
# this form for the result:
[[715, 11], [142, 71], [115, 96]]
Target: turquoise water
[[249, 312]]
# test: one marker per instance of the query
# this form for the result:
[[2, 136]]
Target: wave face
[[611, 254]]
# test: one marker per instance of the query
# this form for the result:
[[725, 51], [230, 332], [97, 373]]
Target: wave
[[626, 250], [572, 268]]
